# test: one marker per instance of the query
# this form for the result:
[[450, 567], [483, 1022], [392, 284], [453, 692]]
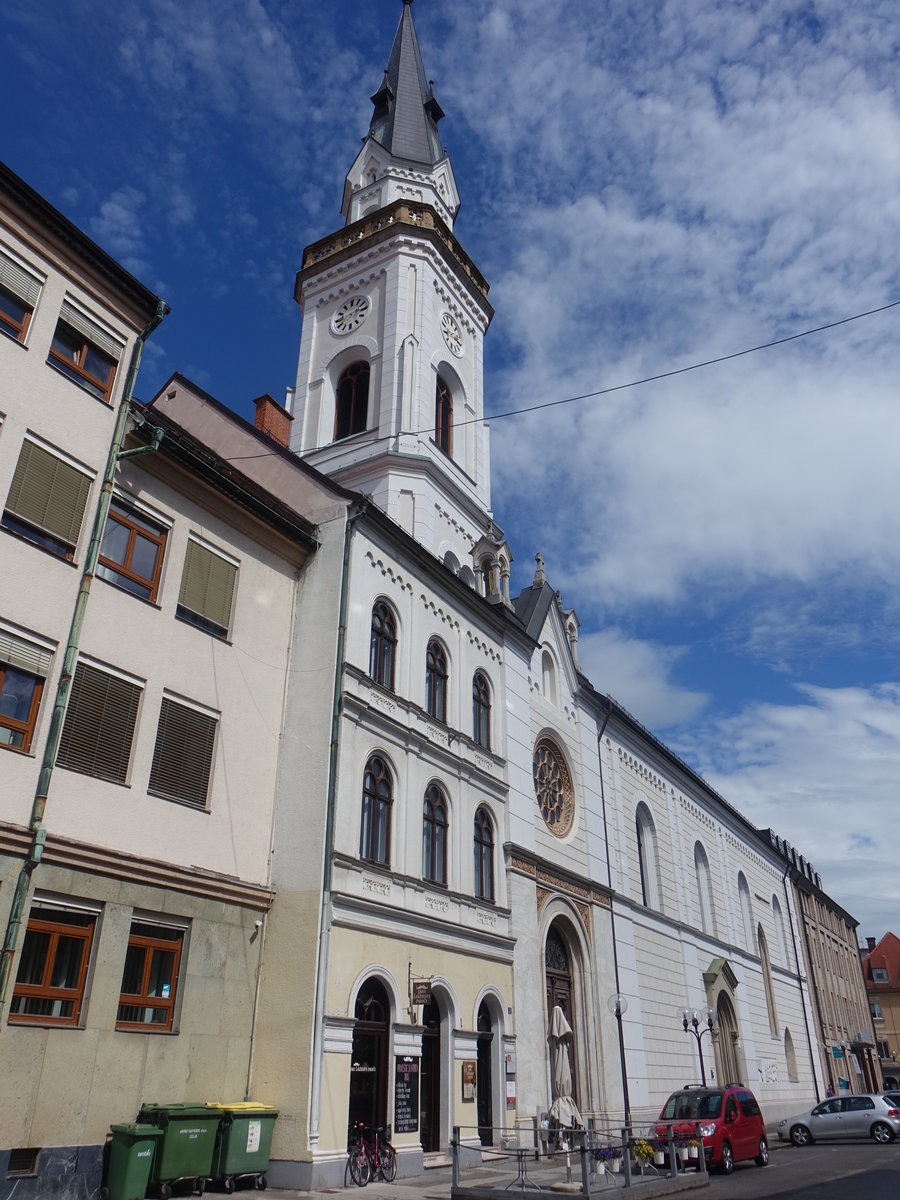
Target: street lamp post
[[691, 1019], [617, 1005]]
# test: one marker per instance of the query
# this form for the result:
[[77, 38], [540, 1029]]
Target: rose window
[[553, 788]]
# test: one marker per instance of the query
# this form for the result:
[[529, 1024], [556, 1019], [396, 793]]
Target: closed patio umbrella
[[563, 1109]]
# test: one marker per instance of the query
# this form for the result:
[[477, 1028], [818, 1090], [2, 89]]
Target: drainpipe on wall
[[325, 908], [812, 1060], [39, 803], [612, 914]]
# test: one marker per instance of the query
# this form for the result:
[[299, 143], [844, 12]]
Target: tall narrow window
[[548, 676], [352, 401], [436, 681], [647, 860], [99, 727], [183, 753], [782, 951], [383, 645], [484, 856], [150, 977], [434, 836], [53, 967], [746, 911], [443, 417], [481, 711], [375, 826], [704, 890], [766, 967]]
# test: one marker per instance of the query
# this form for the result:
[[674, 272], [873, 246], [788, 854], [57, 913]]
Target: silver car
[[868, 1115]]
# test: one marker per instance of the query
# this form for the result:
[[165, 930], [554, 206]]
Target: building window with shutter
[[46, 500], [24, 666], [98, 730], [183, 753], [131, 553], [53, 966], [150, 978], [207, 589], [84, 351], [19, 292]]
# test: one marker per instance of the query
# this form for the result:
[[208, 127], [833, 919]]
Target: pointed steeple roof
[[406, 114]]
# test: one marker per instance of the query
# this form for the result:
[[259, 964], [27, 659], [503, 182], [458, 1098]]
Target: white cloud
[[823, 774], [637, 675]]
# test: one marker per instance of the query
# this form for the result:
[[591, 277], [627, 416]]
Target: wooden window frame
[[138, 526], [27, 727], [443, 417], [73, 366], [383, 645], [141, 937], [436, 681], [434, 843], [102, 710], [55, 927], [351, 410], [16, 329], [175, 775], [199, 611], [375, 817], [481, 710], [483, 843], [23, 287]]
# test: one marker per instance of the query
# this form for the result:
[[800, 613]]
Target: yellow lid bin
[[243, 1143]]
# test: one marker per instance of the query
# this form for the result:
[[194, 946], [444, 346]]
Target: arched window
[[548, 676], [746, 911], [766, 967], [375, 827], [782, 951], [443, 416], [434, 836], [704, 890], [647, 860], [352, 401], [370, 1049], [481, 710], [436, 681], [382, 645], [790, 1056], [484, 856]]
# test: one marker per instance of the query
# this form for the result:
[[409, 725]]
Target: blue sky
[[645, 186]]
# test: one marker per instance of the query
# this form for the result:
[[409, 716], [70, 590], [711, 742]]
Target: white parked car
[[868, 1115]]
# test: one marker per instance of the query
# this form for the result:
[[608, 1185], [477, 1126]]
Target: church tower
[[389, 395]]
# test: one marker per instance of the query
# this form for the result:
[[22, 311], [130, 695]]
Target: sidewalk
[[499, 1179]]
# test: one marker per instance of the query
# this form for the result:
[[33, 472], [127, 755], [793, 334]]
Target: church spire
[[405, 121]]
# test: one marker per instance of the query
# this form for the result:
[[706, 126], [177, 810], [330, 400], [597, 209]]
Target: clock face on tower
[[452, 334], [351, 314]]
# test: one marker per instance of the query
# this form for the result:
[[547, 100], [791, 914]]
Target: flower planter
[[615, 1164], [659, 1157], [693, 1151]]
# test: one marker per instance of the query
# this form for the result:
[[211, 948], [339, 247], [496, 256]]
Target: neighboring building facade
[[827, 935], [881, 972], [135, 859]]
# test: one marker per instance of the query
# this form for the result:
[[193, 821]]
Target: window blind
[[89, 329], [207, 584], [16, 279], [26, 656], [183, 754], [99, 727], [48, 492]]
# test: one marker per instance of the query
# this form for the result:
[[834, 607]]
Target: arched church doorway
[[483, 1087], [727, 1062], [430, 1077], [558, 974], [369, 1057]]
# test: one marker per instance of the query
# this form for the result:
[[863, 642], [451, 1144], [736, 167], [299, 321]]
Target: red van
[[731, 1123]]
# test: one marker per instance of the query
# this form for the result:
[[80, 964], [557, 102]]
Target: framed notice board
[[406, 1094]]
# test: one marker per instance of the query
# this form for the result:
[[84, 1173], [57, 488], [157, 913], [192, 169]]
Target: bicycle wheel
[[359, 1166], [387, 1161]]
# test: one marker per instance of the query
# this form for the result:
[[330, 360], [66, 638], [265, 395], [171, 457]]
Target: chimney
[[272, 419], [870, 943]]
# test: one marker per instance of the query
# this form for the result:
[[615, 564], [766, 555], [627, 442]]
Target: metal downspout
[[612, 915], [812, 1061], [325, 908], [39, 803]]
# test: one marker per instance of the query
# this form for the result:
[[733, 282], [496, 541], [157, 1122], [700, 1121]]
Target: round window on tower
[[553, 788]]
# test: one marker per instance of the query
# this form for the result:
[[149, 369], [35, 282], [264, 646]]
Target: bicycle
[[372, 1157]]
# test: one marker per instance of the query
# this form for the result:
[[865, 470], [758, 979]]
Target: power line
[[621, 387]]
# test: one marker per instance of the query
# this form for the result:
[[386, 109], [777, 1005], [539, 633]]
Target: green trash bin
[[188, 1139], [130, 1161], [244, 1143]]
